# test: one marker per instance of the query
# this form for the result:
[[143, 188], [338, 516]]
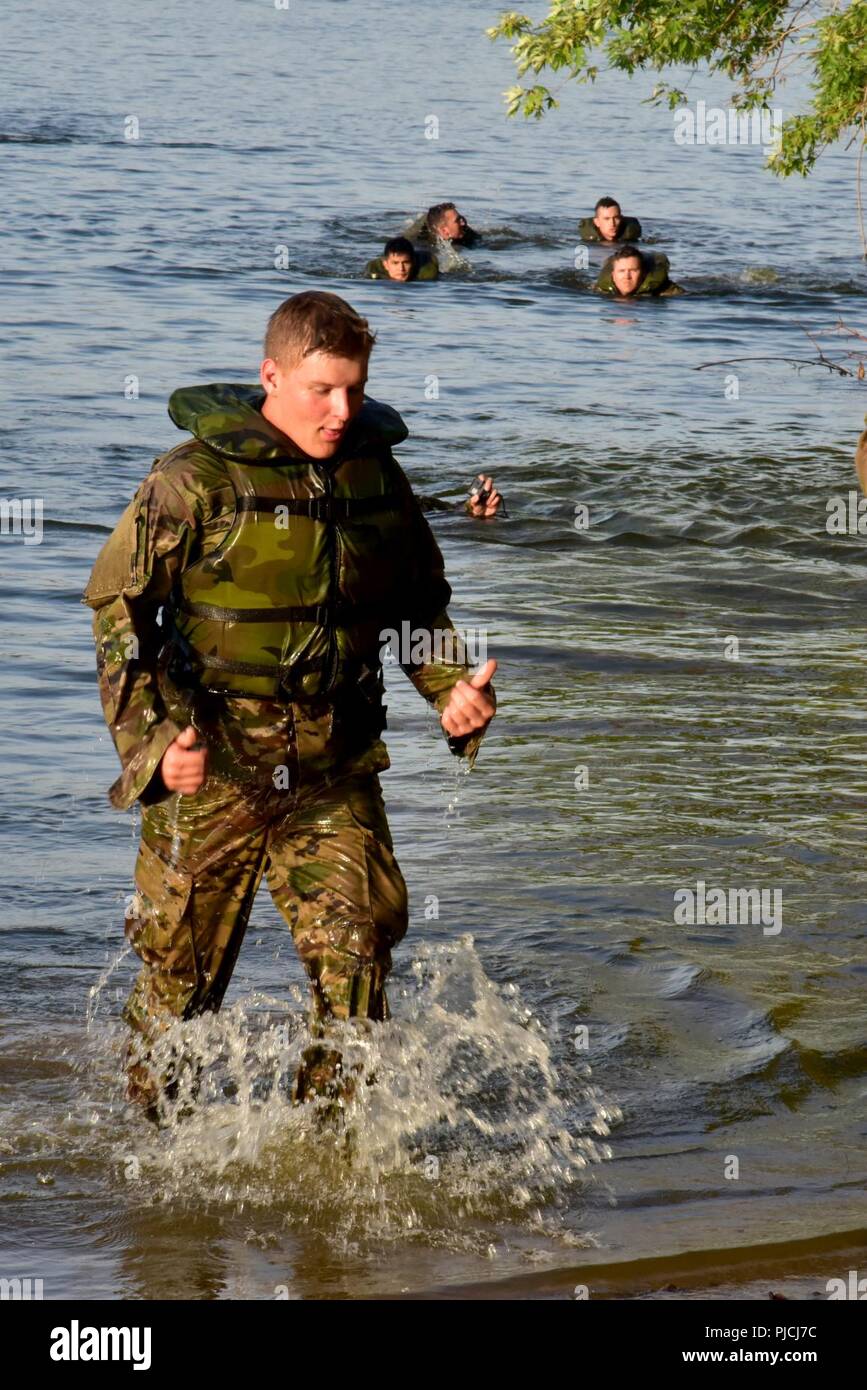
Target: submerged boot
[[152, 1092], [319, 1076], [142, 1090], [322, 1076]]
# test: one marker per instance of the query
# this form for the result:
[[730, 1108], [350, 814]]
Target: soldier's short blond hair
[[316, 321]]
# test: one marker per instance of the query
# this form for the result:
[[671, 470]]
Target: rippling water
[[499, 1141]]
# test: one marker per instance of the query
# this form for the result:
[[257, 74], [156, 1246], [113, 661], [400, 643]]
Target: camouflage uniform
[[327, 855], [292, 790]]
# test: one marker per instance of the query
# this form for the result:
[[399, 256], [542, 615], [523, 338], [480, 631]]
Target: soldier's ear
[[268, 373]]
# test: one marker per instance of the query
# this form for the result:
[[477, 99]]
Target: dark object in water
[[480, 494]]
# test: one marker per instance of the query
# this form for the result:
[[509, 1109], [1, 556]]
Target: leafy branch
[[754, 43]]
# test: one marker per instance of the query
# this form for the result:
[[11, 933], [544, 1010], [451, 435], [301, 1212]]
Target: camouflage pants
[[327, 856]]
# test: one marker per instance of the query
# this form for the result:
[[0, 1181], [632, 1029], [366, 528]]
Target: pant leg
[[334, 877], [200, 862]]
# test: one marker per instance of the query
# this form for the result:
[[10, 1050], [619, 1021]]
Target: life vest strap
[[342, 614], [322, 508], [249, 668], [286, 678]]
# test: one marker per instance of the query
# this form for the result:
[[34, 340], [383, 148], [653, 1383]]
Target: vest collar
[[228, 418]]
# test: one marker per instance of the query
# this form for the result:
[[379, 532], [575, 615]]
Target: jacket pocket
[[158, 920]]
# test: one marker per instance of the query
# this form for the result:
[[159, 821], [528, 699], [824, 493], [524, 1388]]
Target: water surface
[[155, 259]]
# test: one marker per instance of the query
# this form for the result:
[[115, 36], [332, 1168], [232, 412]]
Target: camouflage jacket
[[181, 512]]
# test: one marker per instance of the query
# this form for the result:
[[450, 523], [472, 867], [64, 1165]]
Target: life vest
[[630, 230], [291, 603], [656, 280]]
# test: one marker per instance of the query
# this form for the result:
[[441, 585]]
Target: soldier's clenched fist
[[183, 763], [470, 706]]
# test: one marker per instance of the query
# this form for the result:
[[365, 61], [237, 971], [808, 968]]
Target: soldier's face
[[450, 225], [314, 400], [607, 221], [627, 274], [398, 266]]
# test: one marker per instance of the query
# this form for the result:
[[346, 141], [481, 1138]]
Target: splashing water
[[450, 258], [94, 994], [453, 807], [459, 1121]]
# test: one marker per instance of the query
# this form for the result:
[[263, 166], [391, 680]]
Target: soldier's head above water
[[607, 218], [402, 261], [398, 258], [629, 272], [443, 222], [609, 225], [628, 269], [446, 222], [317, 350]]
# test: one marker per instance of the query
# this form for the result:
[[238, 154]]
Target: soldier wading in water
[[278, 541]]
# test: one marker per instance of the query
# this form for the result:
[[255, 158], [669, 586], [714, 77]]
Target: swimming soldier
[[400, 260], [630, 272], [609, 224], [443, 222]]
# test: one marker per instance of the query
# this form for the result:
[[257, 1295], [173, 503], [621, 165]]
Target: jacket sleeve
[[133, 575], [424, 606], [439, 504]]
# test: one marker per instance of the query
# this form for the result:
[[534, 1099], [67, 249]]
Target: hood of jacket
[[228, 419]]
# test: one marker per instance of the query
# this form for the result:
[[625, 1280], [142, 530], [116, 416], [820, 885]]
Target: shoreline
[[772, 1267]]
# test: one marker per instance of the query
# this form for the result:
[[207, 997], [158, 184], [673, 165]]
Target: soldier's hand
[[485, 500], [470, 706], [183, 763]]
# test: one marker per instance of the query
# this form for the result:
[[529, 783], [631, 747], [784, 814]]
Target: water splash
[[460, 1124], [94, 994], [460, 772], [449, 258]]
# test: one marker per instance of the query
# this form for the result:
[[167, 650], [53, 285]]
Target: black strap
[[249, 668], [343, 614], [322, 508]]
